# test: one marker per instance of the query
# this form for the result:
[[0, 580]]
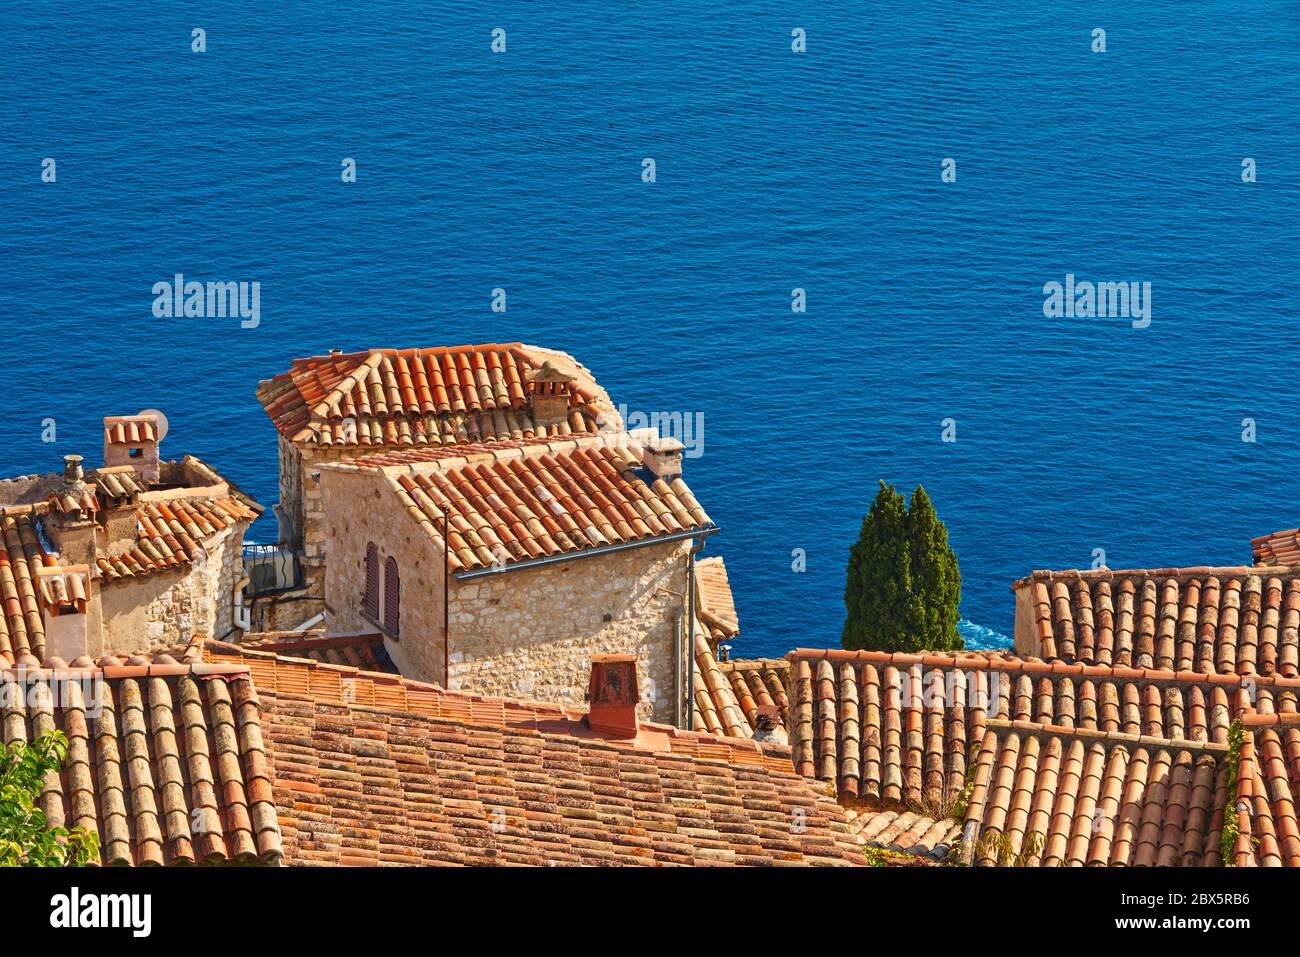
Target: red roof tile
[[1235, 620], [326, 764], [414, 397], [22, 625], [514, 501], [1052, 796], [170, 534], [166, 761], [130, 429], [1279, 548], [905, 832], [713, 600], [365, 652], [900, 728], [463, 779]]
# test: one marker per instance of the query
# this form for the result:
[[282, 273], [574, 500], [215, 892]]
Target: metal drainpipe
[[679, 718], [696, 545]]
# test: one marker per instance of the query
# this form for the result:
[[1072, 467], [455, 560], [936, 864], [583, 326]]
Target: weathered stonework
[[530, 633], [359, 510], [521, 633], [169, 607]]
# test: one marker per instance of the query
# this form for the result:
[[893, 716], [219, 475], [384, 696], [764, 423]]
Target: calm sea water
[[774, 170]]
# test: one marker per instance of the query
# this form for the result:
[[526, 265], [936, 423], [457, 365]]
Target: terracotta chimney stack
[[64, 594], [133, 440], [549, 392], [613, 695]]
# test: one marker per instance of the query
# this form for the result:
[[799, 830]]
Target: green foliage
[[999, 850], [903, 586], [25, 838], [1228, 835]]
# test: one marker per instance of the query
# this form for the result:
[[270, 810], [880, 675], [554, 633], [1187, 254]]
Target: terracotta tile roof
[[377, 769], [905, 832], [762, 680], [515, 501], [166, 760], [1052, 796], [366, 786], [743, 684], [117, 485], [1279, 548], [130, 429], [22, 625], [170, 534], [252, 756], [1268, 780], [365, 652], [713, 599], [900, 728], [440, 396], [1238, 619], [716, 709]]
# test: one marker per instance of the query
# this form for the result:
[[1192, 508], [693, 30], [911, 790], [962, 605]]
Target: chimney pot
[[613, 695], [72, 471]]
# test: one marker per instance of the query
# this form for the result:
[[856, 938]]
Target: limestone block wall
[[531, 633], [360, 508], [169, 607], [312, 508], [289, 510]]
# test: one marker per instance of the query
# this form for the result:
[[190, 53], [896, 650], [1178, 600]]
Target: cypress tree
[[879, 585], [903, 587], [936, 579]]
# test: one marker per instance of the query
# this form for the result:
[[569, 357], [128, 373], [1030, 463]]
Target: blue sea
[[774, 170]]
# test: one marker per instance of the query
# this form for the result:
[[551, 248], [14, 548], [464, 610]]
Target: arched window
[[371, 600], [392, 598]]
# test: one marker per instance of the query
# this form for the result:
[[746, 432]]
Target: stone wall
[[169, 607], [309, 460], [360, 508], [288, 511], [523, 633], [530, 633]]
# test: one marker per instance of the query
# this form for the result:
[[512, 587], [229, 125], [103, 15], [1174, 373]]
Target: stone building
[[337, 407], [124, 557], [502, 567]]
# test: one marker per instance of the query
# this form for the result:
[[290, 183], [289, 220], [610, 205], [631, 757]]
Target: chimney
[[767, 726], [663, 457], [549, 392], [64, 592], [612, 696], [71, 516], [73, 475], [133, 440], [118, 491]]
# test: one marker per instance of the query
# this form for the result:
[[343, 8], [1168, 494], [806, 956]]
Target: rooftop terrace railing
[[272, 568]]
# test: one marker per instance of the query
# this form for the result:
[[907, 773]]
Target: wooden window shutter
[[392, 598], [371, 600]]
